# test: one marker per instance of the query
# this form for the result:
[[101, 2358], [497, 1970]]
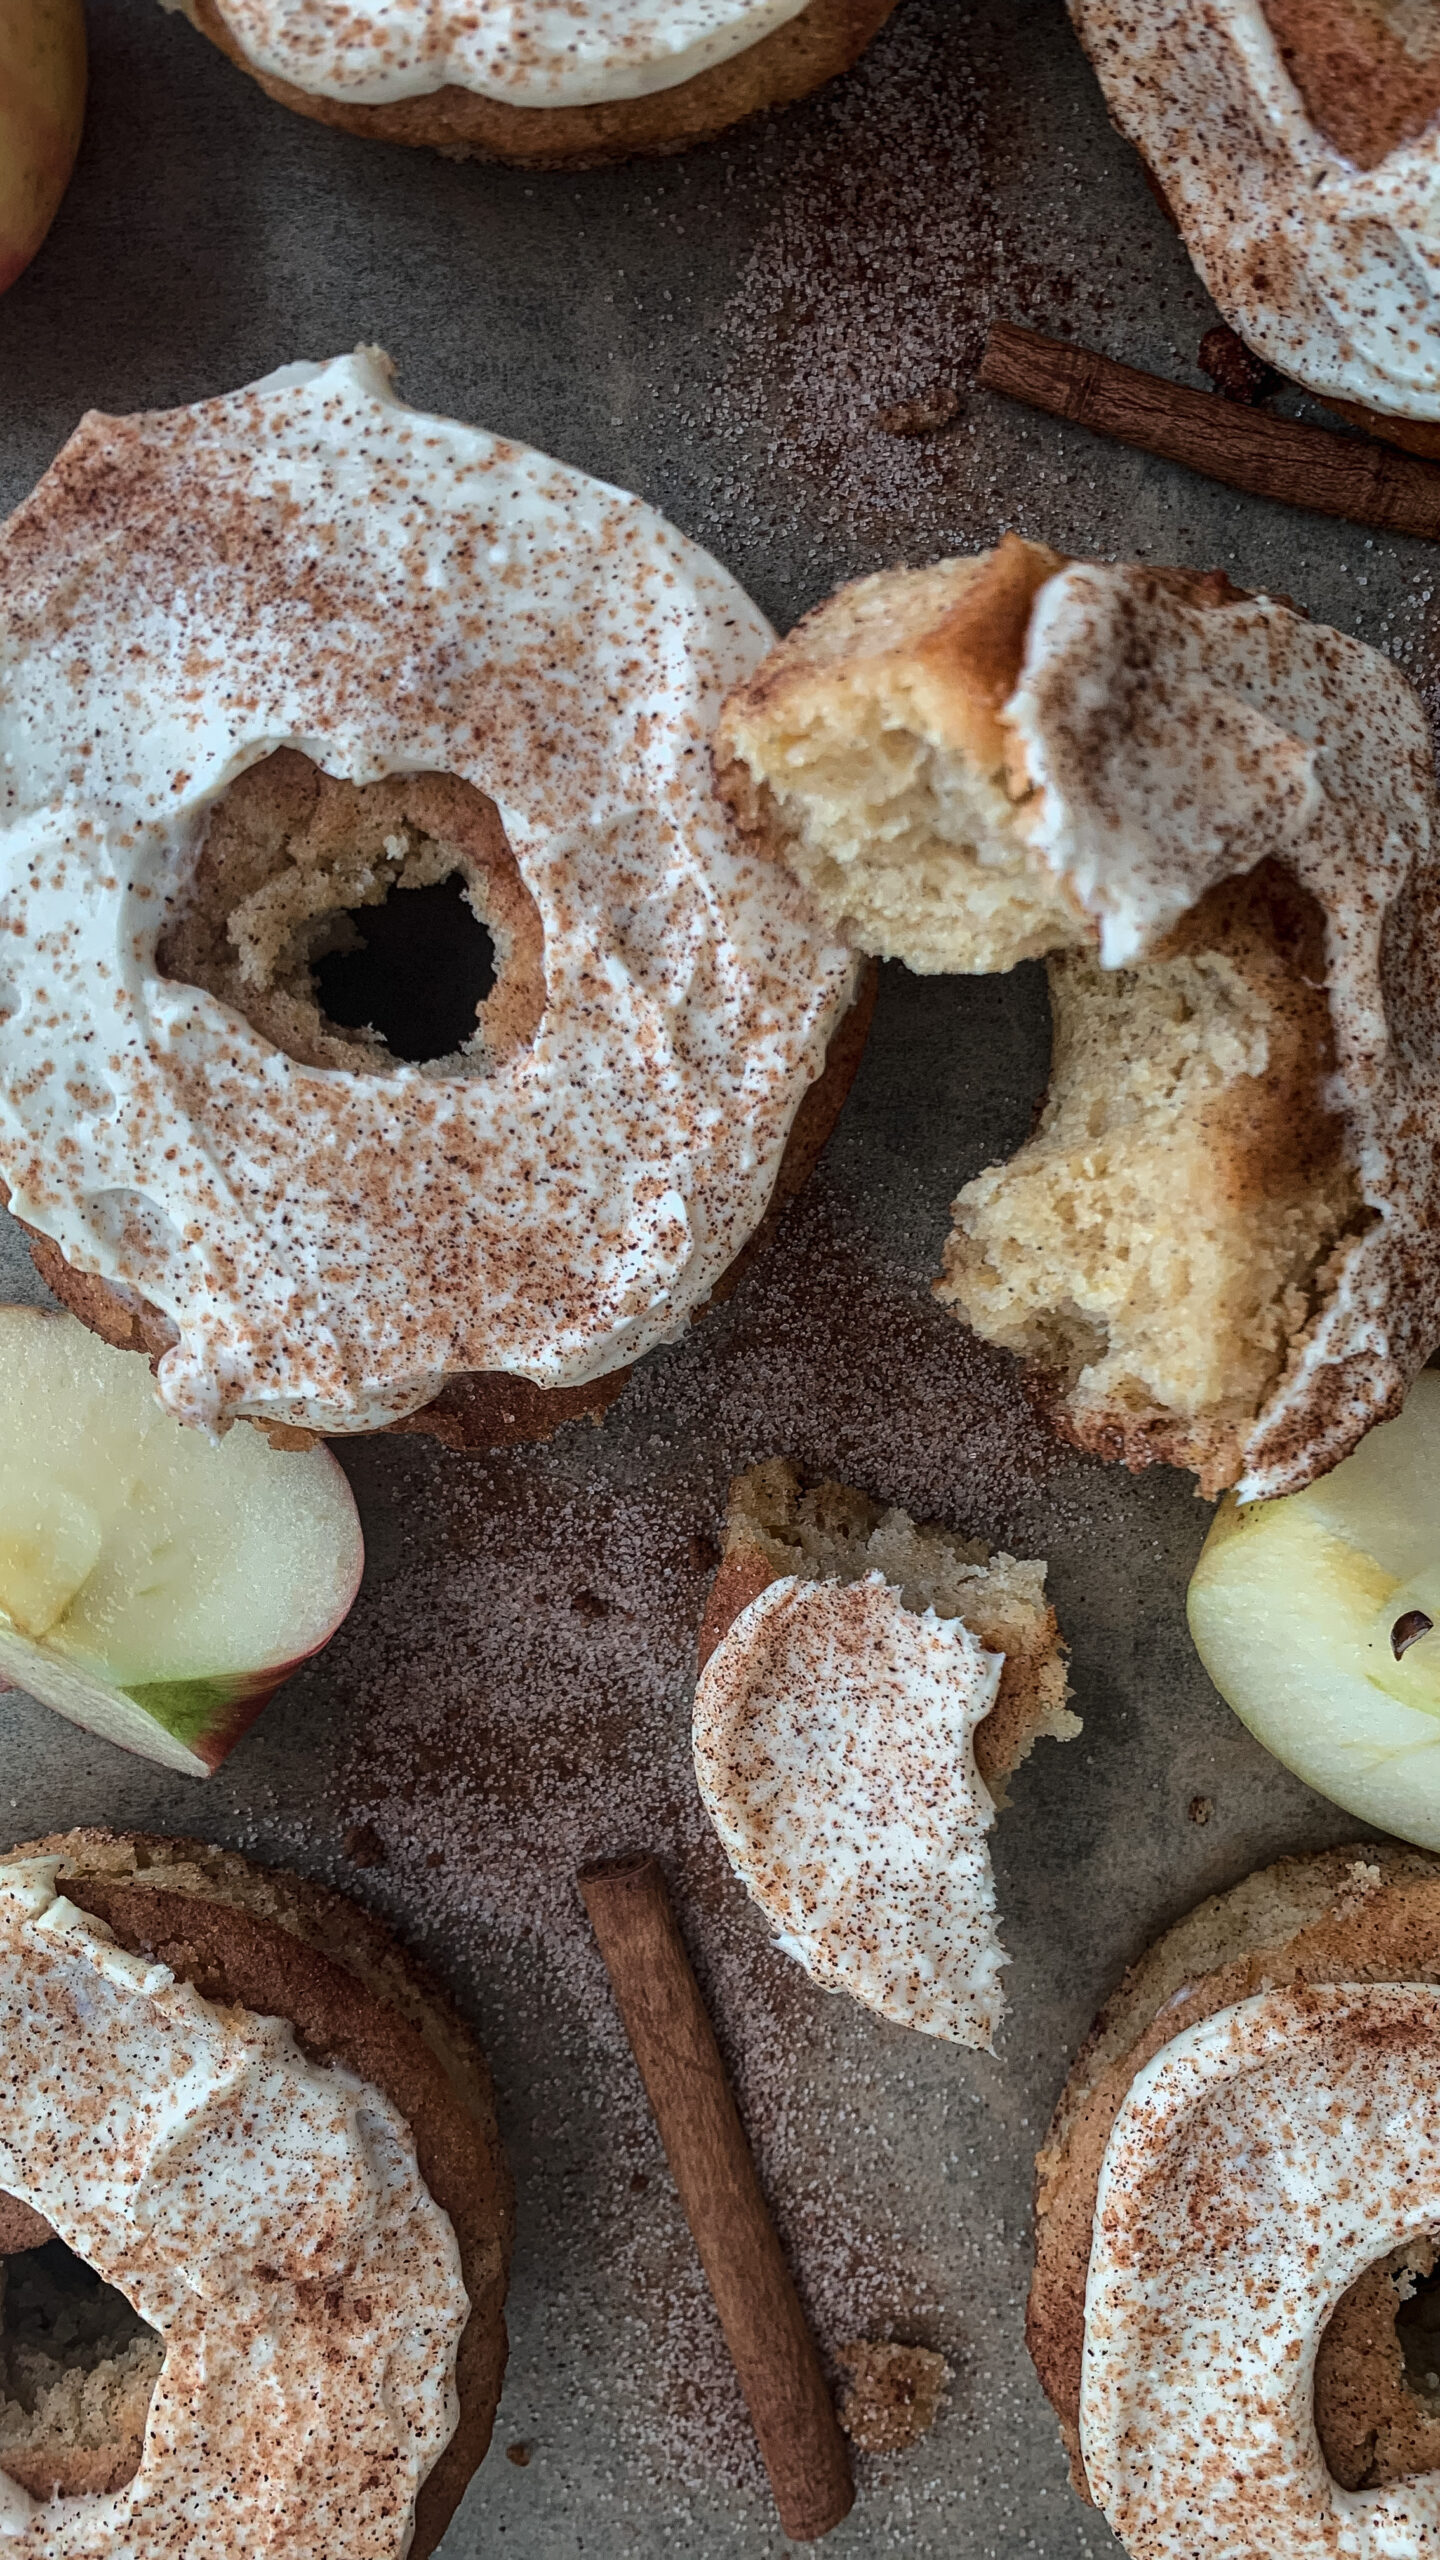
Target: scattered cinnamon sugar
[[874, 278], [363, 1846], [863, 307]]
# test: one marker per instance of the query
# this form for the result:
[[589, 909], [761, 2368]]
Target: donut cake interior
[[1366, 1914], [77, 2366], [292, 855], [775, 1526], [1187, 1099], [1368, 70]]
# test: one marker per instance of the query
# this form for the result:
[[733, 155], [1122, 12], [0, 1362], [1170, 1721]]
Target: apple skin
[[156, 1587], [42, 108], [188, 1725]]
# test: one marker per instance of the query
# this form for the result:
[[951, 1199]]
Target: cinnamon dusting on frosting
[[264, 2214], [1324, 253], [834, 1745], [308, 562], [533, 53]]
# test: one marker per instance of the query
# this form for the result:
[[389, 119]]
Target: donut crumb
[[893, 2395]]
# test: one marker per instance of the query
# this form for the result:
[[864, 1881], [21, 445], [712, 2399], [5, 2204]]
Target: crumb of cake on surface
[[892, 2395]]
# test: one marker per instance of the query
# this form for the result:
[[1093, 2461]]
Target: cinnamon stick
[[1335, 475], [765, 2328]]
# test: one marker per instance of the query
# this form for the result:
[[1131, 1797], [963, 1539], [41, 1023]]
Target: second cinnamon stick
[[765, 2328], [1348, 476]]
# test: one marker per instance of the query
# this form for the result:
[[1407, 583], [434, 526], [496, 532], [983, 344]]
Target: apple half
[[1317, 1617], [155, 1586]]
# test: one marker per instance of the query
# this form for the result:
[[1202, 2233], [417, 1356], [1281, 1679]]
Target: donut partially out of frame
[[1296, 144], [1362, 1916], [264, 1945], [1217, 822], [823, 39]]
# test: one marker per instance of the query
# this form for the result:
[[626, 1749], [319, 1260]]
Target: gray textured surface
[[716, 333]]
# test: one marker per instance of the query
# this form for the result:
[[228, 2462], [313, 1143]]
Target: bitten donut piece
[[776, 1525], [837, 1718], [484, 83], [436, 655], [1218, 822], [1369, 1914], [261, 1941], [1297, 145]]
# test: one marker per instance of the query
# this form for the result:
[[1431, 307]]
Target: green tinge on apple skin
[[185, 1725], [1283, 1614], [208, 1715]]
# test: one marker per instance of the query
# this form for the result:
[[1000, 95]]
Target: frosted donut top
[[308, 562], [530, 53], [1260, 2163], [1330, 271], [264, 2214], [834, 1746], [1170, 745]]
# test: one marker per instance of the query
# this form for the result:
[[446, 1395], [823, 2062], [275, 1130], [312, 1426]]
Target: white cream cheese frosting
[[311, 563], [1260, 2163], [1167, 746], [264, 2214], [834, 1746], [528, 53], [1330, 271]]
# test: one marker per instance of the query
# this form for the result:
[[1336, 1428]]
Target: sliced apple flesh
[[155, 1586], [1318, 1618]]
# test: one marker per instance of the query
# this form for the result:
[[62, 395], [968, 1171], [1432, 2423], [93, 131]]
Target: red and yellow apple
[[1318, 1618], [155, 1586], [42, 107]]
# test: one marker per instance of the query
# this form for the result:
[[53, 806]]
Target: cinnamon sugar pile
[[873, 281], [857, 324]]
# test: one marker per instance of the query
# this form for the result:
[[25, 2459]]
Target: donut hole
[[415, 976], [1377, 2372], [78, 2369], [363, 926], [1417, 2326]]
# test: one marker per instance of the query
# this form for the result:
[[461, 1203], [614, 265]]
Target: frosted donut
[[306, 2207], [1297, 143], [544, 86], [1221, 1246], [1367, 1915], [1260, 2164], [410, 648]]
